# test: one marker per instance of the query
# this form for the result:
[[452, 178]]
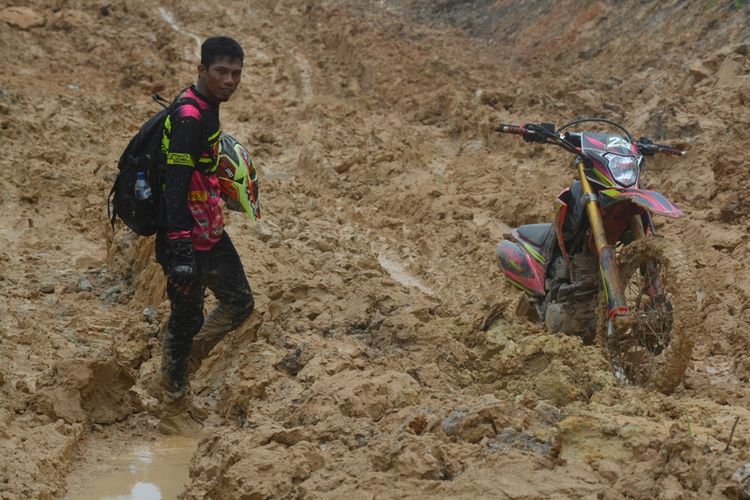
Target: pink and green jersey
[[191, 189]]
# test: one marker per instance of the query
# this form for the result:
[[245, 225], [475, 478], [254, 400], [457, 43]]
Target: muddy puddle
[[144, 471]]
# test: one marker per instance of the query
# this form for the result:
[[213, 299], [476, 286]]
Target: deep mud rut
[[384, 358]]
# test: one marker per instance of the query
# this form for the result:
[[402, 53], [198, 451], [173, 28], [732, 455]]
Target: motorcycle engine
[[571, 304]]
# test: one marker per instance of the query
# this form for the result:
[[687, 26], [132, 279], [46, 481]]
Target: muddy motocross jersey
[[190, 144]]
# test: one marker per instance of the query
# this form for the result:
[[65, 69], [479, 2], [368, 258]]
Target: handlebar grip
[[670, 150], [646, 147], [511, 129]]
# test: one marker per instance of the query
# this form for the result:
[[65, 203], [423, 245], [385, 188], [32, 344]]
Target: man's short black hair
[[216, 47]]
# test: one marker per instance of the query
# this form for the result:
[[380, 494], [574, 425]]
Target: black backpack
[[142, 154]]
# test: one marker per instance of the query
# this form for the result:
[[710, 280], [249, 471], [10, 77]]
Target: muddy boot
[[221, 320], [180, 415], [171, 380]]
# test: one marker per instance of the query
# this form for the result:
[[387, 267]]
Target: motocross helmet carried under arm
[[238, 178]]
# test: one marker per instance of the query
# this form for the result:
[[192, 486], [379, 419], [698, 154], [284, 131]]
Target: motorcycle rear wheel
[[651, 346]]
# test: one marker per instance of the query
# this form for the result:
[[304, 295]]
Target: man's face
[[221, 78]]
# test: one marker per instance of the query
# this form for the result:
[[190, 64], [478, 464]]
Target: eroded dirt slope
[[384, 359]]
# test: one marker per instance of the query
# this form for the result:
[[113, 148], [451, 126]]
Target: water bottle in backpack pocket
[[145, 206], [142, 187]]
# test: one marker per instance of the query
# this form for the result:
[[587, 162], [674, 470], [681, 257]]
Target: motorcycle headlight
[[624, 169]]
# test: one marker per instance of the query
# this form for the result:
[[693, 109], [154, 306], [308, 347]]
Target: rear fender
[[652, 201], [521, 269]]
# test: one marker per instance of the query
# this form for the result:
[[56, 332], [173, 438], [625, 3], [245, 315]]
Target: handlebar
[[511, 129], [532, 132], [648, 147], [545, 133]]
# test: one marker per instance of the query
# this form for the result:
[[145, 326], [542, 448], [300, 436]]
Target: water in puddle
[[146, 471]]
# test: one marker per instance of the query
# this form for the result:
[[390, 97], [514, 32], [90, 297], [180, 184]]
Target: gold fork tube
[[608, 270]]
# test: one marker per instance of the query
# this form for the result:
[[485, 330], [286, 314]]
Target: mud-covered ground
[[384, 359]]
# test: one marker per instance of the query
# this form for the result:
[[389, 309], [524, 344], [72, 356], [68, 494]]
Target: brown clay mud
[[385, 357]]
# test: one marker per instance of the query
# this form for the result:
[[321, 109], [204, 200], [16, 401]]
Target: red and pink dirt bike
[[599, 271]]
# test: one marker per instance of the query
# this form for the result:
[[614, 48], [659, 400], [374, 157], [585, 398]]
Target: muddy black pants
[[220, 270]]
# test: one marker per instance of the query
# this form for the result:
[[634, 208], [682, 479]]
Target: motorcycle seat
[[536, 234]]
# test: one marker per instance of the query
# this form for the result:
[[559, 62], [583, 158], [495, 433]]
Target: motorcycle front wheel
[[651, 346]]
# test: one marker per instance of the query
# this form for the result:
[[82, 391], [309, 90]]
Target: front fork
[[649, 270], [608, 270]]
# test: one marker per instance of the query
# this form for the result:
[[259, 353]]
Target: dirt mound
[[384, 358]]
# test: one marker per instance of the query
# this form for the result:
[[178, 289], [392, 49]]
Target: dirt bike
[[599, 271]]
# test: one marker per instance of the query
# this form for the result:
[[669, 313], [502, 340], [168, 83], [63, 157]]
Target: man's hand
[[182, 269]]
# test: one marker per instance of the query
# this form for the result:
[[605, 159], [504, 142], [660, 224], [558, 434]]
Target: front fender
[[652, 201]]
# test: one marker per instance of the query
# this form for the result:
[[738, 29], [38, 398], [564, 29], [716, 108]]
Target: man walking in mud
[[192, 247]]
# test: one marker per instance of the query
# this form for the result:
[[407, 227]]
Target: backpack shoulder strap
[[185, 100], [190, 102]]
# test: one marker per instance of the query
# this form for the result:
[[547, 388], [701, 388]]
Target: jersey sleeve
[[184, 136], [181, 155]]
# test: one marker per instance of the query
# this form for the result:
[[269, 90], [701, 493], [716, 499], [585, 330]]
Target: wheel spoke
[[637, 350]]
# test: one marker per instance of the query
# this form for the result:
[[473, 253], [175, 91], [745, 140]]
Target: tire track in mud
[[397, 271], [168, 16], [305, 75]]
